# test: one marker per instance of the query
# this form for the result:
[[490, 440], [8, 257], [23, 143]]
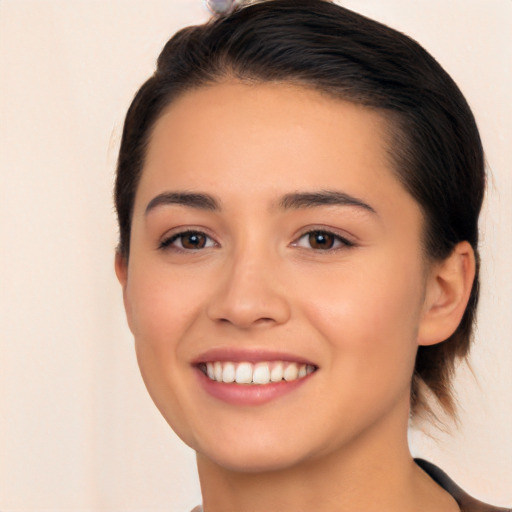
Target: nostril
[[264, 320], [258, 321]]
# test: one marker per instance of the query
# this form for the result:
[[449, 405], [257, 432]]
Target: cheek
[[162, 307], [370, 317]]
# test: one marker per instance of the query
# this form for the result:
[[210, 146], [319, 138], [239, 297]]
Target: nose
[[249, 295]]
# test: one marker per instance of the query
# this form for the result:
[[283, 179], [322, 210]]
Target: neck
[[373, 472]]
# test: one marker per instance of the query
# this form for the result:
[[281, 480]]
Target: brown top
[[464, 500]]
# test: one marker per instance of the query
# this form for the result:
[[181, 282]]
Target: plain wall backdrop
[[78, 431]]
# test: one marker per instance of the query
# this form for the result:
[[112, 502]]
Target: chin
[[247, 450], [253, 460]]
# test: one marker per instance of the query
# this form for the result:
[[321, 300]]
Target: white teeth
[[244, 373], [258, 373], [217, 371], [277, 372], [228, 372], [261, 374], [291, 372]]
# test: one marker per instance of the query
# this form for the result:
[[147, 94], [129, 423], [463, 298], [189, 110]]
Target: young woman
[[298, 193]]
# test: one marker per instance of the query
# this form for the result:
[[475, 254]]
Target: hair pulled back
[[433, 141]]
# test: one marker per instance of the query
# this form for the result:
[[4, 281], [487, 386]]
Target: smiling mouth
[[255, 374]]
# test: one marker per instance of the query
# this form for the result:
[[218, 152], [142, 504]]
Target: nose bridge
[[249, 292]]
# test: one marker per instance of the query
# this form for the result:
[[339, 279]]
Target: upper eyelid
[[180, 230]]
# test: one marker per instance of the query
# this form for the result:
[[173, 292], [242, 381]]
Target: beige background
[[77, 430]]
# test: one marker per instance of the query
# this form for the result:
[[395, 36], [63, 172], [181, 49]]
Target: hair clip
[[222, 7]]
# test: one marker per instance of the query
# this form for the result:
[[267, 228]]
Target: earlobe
[[447, 293]]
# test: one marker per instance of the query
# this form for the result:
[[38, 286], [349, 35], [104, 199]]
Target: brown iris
[[321, 240], [193, 240]]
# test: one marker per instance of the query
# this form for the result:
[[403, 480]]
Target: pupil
[[320, 240]]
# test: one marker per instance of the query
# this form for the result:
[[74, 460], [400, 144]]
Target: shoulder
[[464, 500]]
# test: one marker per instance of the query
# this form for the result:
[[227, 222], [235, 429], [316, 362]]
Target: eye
[[322, 240], [188, 241]]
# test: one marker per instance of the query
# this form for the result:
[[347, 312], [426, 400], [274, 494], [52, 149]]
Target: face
[[271, 244]]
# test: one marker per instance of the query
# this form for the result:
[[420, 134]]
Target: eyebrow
[[297, 200], [192, 200], [301, 200]]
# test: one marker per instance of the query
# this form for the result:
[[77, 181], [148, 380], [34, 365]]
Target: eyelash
[[169, 242], [342, 242], [339, 242]]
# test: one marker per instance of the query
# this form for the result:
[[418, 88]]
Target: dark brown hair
[[435, 145]]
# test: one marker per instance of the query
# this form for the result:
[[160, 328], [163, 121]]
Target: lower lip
[[247, 394]]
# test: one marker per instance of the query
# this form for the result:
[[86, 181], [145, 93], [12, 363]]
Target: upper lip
[[238, 355]]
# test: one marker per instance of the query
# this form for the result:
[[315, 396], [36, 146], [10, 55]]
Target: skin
[[357, 310]]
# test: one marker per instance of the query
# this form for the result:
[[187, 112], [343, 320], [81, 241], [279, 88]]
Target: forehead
[[255, 140], [221, 117]]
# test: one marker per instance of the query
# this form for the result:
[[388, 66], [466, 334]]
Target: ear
[[447, 292], [121, 267]]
